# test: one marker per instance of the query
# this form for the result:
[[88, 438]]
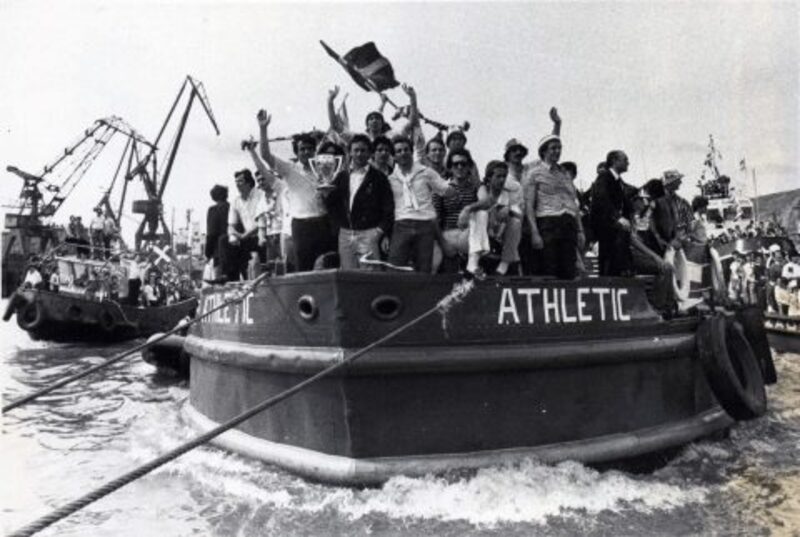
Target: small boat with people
[[95, 300]]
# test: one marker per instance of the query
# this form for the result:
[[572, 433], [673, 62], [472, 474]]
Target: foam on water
[[529, 492]]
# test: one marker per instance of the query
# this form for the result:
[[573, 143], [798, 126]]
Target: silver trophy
[[325, 168]]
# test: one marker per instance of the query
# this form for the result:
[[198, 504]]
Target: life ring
[[752, 320], [30, 316], [680, 278], [718, 283], [731, 368], [106, 321], [14, 302]]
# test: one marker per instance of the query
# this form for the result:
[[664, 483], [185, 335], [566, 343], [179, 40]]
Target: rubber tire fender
[[30, 316], [752, 320], [731, 368], [680, 280], [106, 322], [15, 301]]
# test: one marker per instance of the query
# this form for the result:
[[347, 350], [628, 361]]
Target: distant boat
[[72, 313]]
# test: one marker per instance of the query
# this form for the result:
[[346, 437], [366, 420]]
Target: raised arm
[[336, 126], [556, 119], [264, 120], [413, 110], [268, 175]]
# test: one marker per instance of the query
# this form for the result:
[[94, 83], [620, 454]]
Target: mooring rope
[[456, 295], [246, 290]]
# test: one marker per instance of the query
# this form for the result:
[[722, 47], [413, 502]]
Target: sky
[[654, 79]]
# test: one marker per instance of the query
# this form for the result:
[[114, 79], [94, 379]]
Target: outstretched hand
[[249, 144], [263, 118], [554, 115], [409, 90], [333, 93]]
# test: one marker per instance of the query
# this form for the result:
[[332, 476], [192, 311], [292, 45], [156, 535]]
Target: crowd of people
[[358, 200], [766, 278], [100, 241], [141, 279]]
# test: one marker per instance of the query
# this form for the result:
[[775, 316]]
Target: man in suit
[[611, 216], [360, 203]]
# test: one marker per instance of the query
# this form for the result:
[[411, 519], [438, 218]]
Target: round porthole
[[307, 307], [386, 307]]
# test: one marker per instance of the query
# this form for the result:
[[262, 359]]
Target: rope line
[[249, 288], [443, 305]]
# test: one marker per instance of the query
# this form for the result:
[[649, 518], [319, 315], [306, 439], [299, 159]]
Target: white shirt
[[304, 201], [247, 211], [356, 178], [413, 191], [33, 277]]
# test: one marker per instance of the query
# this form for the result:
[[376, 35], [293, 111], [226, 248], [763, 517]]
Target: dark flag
[[368, 68]]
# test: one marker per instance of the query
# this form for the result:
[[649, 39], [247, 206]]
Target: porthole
[[307, 307], [386, 307]]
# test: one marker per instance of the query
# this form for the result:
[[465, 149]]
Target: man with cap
[[611, 215], [551, 208], [672, 215], [514, 155]]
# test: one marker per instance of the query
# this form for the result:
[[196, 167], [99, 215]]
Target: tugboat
[[75, 312], [521, 367]]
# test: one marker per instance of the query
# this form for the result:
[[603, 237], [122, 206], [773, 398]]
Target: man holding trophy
[[359, 201]]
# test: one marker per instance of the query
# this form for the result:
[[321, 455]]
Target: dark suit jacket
[[216, 226], [373, 205], [665, 219], [611, 200]]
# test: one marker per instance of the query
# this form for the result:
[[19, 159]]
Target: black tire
[[30, 316], [14, 302], [752, 320], [106, 322], [731, 368]]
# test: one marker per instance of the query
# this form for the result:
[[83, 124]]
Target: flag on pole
[[367, 67], [742, 165]]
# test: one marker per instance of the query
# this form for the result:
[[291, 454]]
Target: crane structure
[[28, 227], [155, 183]]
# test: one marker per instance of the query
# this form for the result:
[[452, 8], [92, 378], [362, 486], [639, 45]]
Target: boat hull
[[783, 332], [484, 387], [53, 316]]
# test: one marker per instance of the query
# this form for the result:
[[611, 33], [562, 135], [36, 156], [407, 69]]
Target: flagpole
[[755, 199]]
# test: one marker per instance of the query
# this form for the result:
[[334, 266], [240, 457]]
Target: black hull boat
[[583, 370], [783, 332], [57, 316]]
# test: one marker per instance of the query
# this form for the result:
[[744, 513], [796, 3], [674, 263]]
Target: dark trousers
[[234, 257], [560, 252], [134, 286], [312, 238], [412, 242], [614, 254]]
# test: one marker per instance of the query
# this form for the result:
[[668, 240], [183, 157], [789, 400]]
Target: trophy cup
[[325, 168]]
